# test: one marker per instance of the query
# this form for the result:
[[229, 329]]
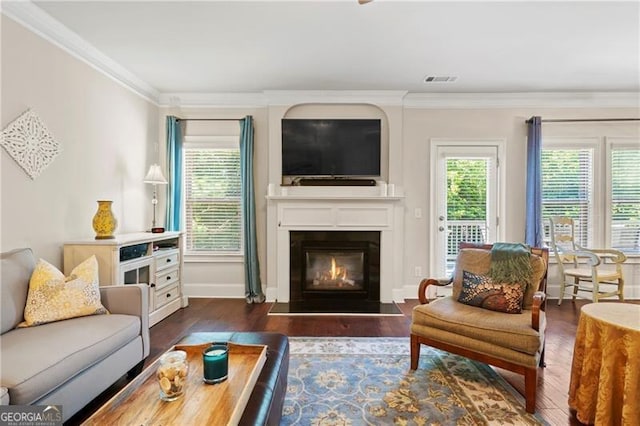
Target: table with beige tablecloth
[[605, 373]]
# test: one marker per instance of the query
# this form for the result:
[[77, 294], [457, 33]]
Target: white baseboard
[[630, 292], [272, 294], [214, 290]]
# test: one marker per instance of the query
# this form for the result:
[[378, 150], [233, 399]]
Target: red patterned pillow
[[481, 291]]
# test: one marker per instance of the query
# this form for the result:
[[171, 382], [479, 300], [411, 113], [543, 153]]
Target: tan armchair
[[510, 341]]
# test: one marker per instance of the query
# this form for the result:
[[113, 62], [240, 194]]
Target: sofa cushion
[[54, 297], [37, 360], [16, 268], [481, 324]]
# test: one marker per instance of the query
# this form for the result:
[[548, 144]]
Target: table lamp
[[155, 177]]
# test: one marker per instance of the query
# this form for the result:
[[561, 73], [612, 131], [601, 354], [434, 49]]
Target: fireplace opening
[[334, 270], [335, 266]]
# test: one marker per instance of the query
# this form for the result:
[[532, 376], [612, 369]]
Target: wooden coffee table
[[139, 402]]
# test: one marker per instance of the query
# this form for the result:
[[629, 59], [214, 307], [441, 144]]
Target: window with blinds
[[625, 198], [213, 211], [567, 188]]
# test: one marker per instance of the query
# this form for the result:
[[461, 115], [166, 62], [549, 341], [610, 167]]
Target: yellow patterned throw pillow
[[54, 297]]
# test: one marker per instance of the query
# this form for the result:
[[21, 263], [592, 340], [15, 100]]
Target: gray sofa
[[67, 362]]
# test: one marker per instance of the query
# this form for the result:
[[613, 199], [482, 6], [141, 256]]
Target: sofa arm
[[129, 299], [4, 396]]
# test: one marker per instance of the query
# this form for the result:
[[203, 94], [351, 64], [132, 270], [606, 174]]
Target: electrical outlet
[[418, 271]]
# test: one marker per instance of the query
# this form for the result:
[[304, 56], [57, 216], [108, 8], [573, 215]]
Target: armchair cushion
[[478, 261], [481, 291], [481, 324]]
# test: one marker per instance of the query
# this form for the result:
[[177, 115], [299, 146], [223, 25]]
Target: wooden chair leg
[[621, 289], [415, 352], [542, 363], [563, 284], [530, 387]]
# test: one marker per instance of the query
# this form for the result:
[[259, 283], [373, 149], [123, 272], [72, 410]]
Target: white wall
[[108, 136]]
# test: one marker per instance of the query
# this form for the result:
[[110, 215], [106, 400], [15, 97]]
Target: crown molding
[[36, 20], [212, 100], [282, 97], [375, 97], [524, 100], [405, 99]]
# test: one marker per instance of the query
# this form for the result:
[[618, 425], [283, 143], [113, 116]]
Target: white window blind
[[213, 211], [567, 188], [625, 198]]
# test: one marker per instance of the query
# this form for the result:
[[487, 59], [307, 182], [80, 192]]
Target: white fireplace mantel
[[334, 208]]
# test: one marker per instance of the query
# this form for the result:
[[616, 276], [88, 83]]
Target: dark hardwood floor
[[236, 315]]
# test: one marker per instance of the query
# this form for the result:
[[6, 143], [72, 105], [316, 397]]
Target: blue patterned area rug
[[367, 381]]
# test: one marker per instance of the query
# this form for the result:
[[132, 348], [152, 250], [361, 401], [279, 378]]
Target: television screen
[[331, 147]]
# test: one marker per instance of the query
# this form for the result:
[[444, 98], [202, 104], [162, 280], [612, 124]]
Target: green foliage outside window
[[213, 207], [467, 189], [625, 180]]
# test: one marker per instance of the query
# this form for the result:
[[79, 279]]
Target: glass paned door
[[466, 200]]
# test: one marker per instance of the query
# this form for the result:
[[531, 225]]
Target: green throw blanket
[[510, 263]]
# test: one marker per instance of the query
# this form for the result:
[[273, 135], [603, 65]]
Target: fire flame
[[333, 268], [337, 271], [335, 275]]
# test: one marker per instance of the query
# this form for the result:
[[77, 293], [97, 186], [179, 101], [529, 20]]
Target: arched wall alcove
[[387, 107], [352, 110]]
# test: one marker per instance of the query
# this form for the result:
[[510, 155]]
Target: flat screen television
[[331, 147]]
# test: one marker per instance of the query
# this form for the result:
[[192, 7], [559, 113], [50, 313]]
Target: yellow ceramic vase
[[104, 222]]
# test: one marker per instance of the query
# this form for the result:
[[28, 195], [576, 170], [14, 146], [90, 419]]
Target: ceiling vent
[[439, 79]]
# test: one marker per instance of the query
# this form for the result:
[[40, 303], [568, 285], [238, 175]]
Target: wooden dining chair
[[594, 271]]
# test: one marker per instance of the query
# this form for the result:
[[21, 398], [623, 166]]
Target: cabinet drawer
[[166, 259], [167, 277], [166, 295]]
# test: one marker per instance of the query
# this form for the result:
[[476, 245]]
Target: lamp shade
[[155, 176]]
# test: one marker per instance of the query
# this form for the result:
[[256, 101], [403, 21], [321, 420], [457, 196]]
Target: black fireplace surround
[[334, 268]]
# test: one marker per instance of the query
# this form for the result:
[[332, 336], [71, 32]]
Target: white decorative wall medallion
[[30, 144]]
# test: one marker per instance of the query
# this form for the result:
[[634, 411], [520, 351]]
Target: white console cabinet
[[137, 258]]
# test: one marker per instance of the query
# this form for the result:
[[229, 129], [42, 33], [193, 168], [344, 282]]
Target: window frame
[[209, 142], [594, 232], [612, 143], [602, 180]]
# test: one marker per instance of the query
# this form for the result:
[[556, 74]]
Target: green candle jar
[[215, 361]]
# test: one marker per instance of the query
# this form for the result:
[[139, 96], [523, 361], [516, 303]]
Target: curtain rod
[[578, 120], [209, 119]]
